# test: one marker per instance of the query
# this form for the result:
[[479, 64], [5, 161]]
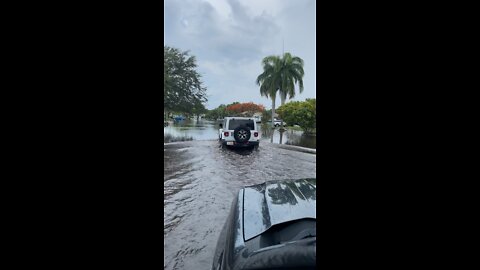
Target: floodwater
[[200, 181], [208, 130]]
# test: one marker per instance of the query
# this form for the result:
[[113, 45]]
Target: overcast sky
[[230, 38]]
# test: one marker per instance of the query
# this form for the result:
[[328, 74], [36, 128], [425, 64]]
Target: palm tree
[[281, 74], [291, 74], [269, 80]]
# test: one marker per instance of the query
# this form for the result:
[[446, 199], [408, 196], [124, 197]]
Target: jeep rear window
[[234, 123]]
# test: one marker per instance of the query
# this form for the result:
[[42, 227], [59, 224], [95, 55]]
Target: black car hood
[[276, 202]]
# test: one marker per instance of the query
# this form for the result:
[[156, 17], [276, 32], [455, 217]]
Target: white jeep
[[239, 132]]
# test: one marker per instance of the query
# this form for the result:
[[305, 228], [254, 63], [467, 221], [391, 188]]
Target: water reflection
[[309, 191], [196, 130], [291, 192], [290, 137], [300, 139], [281, 194]]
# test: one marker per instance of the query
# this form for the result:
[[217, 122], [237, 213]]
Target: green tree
[[302, 113], [281, 74], [222, 111], [199, 109], [266, 114], [217, 113], [182, 87]]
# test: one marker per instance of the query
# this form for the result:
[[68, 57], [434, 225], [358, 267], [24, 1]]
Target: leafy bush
[[302, 113], [267, 115], [217, 113]]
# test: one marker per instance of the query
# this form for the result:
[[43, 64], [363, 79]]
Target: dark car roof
[[275, 202]]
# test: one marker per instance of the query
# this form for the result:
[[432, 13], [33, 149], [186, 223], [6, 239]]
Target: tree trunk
[[273, 111], [282, 100]]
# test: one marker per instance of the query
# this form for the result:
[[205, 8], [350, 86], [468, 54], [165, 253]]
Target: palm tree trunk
[[282, 101], [273, 111]]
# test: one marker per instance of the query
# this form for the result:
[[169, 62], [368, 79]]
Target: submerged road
[[200, 182]]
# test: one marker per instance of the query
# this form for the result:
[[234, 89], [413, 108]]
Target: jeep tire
[[241, 134]]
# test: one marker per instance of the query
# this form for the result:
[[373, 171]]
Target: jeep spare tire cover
[[241, 134]]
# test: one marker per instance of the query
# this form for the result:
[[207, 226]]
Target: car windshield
[[234, 123]]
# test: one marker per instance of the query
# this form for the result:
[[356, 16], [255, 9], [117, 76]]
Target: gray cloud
[[230, 43]]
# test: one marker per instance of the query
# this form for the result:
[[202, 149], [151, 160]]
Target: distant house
[[258, 117], [249, 114]]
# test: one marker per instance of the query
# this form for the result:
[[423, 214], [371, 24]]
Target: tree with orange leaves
[[247, 109]]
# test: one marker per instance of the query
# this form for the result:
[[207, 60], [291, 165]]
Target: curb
[[297, 148], [173, 143]]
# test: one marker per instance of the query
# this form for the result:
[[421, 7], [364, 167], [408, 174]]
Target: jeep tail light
[[255, 134], [225, 133]]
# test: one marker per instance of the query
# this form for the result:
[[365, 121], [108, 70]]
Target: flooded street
[[200, 181], [208, 130]]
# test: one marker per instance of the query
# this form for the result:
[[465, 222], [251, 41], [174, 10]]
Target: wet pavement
[[200, 181], [208, 130]]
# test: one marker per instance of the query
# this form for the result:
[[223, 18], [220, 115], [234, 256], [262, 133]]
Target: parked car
[[270, 226], [239, 132], [277, 122], [178, 118]]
